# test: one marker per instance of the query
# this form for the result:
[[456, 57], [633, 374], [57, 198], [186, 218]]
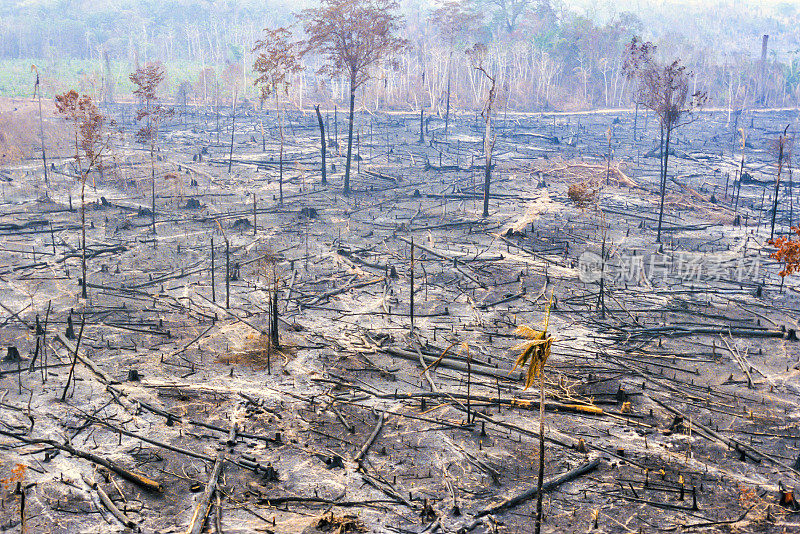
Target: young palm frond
[[535, 351]]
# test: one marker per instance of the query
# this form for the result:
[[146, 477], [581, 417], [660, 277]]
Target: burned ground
[[676, 383]]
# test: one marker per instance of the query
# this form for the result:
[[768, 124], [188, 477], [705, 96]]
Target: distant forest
[[552, 55]]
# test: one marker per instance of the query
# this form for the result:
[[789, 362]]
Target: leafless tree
[[232, 82], [37, 92], [453, 19], [783, 147], [477, 55]]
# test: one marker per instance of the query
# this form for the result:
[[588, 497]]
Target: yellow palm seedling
[[535, 350]]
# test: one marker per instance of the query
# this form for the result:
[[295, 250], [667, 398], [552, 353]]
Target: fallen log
[[448, 255], [109, 504], [201, 511], [86, 361], [333, 292], [371, 439], [130, 476], [548, 486], [476, 368]]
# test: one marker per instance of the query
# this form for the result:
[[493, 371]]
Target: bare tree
[[477, 55], [182, 96], [88, 126], [453, 19], [783, 146], [232, 82], [278, 58], [37, 92], [147, 79], [323, 148], [665, 90], [353, 35], [205, 85]]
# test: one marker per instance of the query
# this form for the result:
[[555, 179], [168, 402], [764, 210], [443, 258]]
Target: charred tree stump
[[322, 144]]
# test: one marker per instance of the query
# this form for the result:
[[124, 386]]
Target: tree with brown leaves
[[152, 114], [278, 58], [88, 126], [788, 253], [477, 55], [665, 90], [353, 35]]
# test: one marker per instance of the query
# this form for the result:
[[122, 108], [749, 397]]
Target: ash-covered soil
[[675, 381]]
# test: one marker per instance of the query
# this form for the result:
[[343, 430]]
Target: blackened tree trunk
[[781, 143], [280, 166], [421, 126], [233, 130], [540, 476], [487, 180], [274, 333], [663, 180], [447, 108], [153, 183], [488, 145], [41, 132], [83, 237], [350, 133], [322, 143]]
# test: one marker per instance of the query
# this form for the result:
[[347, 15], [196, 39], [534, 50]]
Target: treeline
[[548, 56]]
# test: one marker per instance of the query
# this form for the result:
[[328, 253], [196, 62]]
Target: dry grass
[[339, 524], [583, 194], [19, 130], [258, 351], [577, 170]]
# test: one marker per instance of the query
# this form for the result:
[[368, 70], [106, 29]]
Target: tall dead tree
[[37, 92], [88, 126], [232, 80], [665, 90], [353, 35], [453, 19], [762, 67], [783, 147], [477, 55], [278, 58], [323, 148], [152, 113]]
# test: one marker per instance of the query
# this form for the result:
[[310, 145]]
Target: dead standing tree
[[231, 80], [147, 79], [665, 90], [783, 146], [477, 55], [88, 127], [37, 92], [353, 35], [454, 20], [278, 58], [323, 148]]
